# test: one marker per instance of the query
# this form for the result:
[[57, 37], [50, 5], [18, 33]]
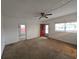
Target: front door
[[42, 30]]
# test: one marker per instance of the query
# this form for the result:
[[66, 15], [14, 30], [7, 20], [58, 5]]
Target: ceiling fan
[[44, 15]]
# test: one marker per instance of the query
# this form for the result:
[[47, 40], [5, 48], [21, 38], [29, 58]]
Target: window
[[46, 29], [59, 27], [67, 27], [71, 27]]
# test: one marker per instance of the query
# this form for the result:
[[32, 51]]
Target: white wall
[[32, 30], [63, 36], [2, 34], [11, 29]]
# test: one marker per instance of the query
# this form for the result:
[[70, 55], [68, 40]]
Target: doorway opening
[[22, 31], [44, 30]]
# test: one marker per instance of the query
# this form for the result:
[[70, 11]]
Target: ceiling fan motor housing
[[42, 14]]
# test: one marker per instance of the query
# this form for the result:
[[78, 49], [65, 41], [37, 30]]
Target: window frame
[[65, 27]]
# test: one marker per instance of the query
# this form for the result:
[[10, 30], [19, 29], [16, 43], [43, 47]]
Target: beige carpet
[[39, 49]]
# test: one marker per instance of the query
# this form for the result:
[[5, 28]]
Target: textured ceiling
[[30, 9]]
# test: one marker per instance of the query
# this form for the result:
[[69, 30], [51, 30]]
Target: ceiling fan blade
[[48, 14]]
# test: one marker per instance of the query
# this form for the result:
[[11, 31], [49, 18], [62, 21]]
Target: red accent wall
[[42, 30]]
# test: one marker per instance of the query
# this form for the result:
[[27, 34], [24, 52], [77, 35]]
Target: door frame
[[44, 30], [19, 33]]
